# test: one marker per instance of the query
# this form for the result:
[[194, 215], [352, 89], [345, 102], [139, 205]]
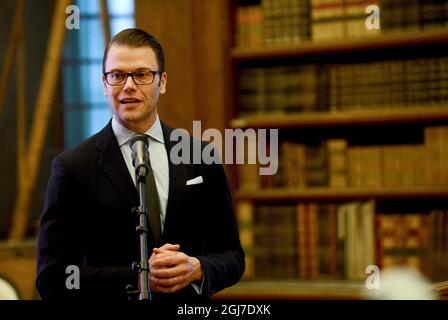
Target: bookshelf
[[388, 41], [291, 290], [363, 141], [348, 118], [349, 194]]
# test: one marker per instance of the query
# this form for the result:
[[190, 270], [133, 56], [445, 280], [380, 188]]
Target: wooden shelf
[[291, 290], [348, 194], [390, 41], [343, 118], [25, 248]]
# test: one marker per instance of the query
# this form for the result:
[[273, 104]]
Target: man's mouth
[[129, 100]]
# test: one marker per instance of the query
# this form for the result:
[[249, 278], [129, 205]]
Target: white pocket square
[[196, 180]]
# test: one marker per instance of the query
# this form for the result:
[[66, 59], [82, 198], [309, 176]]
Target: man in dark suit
[[87, 220]]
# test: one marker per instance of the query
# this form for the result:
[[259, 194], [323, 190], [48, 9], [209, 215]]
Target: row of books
[[273, 22], [341, 19], [336, 87], [282, 89], [411, 15], [285, 21], [339, 240], [414, 240], [390, 83], [282, 22], [335, 164]]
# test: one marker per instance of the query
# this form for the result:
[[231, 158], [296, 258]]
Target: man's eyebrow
[[134, 70], [115, 70], [143, 69]]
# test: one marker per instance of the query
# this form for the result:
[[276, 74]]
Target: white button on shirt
[[157, 156]]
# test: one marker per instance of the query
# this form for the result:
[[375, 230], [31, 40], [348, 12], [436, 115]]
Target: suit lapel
[[111, 162], [177, 176]]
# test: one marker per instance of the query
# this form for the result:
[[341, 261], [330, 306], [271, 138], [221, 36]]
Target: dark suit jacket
[[87, 222]]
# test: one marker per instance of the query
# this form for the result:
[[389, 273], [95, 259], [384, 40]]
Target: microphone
[[140, 155]]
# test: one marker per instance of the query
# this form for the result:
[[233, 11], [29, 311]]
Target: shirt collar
[[123, 134]]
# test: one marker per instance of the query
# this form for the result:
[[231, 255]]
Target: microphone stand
[[142, 267]]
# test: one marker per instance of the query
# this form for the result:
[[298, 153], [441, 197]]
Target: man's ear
[[162, 82], [105, 91]]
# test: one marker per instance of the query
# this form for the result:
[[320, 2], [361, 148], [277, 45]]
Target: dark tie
[[153, 201]]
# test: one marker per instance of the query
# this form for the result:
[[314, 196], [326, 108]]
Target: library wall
[[362, 118]]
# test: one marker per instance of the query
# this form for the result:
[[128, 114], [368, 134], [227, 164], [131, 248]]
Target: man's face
[[134, 105]]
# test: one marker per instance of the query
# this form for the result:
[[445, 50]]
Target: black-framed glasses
[[119, 78]]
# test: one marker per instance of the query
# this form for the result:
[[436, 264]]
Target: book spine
[[303, 239], [337, 163]]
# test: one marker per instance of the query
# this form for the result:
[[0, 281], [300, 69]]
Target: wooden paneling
[[14, 40], [171, 23], [211, 58], [34, 48], [40, 123], [194, 36]]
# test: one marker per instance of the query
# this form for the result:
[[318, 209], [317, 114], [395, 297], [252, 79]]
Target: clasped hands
[[172, 270]]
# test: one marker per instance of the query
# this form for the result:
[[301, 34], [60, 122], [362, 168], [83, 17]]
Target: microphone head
[[139, 137], [139, 146]]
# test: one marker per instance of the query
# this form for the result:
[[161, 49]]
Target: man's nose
[[129, 84]]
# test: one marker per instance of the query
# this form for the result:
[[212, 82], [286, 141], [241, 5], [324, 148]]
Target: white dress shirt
[[157, 156]]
